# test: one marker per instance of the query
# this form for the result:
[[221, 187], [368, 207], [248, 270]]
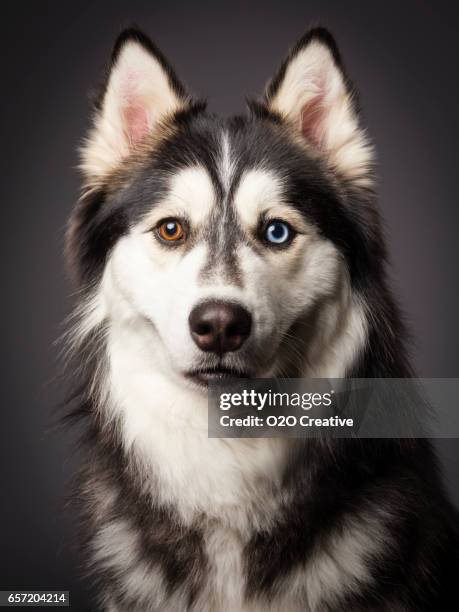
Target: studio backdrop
[[403, 56]]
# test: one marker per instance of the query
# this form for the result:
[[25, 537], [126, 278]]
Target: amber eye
[[171, 230]]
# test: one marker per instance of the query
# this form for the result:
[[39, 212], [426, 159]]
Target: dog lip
[[205, 375]]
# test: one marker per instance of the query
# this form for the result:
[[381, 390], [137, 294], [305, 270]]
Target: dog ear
[[312, 91], [141, 91]]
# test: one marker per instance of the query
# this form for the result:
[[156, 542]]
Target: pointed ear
[[140, 92], [312, 92]]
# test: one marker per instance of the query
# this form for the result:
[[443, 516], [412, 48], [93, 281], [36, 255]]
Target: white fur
[[224, 587], [226, 164], [190, 194], [258, 191], [342, 334], [117, 547], [339, 563]]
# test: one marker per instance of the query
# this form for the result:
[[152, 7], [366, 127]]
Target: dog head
[[234, 247]]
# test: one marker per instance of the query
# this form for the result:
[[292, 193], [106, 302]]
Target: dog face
[[231, 244]]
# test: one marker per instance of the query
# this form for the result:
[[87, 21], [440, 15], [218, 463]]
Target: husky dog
[[205, 248]]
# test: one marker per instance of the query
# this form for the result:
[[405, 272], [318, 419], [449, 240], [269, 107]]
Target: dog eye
[[278, 232], [171, 230]]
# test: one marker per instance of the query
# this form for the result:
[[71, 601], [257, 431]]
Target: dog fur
[[176, 521]]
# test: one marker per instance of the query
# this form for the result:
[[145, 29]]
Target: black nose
[[219, 327]]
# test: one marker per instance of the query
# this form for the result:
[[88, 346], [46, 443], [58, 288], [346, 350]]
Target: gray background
[[403, 57]]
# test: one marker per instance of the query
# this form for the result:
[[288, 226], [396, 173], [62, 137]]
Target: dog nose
[[219, 327]]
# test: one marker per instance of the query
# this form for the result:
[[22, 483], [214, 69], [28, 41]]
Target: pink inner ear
[[135, 118], [134, 112], [313, 116]]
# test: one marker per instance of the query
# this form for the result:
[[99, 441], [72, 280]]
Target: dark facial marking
[[347, 218], [223, 235]]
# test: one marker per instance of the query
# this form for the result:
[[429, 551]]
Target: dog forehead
[[258, 190], [254, 191], [192, 188], [227, 178]]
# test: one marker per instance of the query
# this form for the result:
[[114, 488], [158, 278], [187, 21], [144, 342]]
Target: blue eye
[[278, 232]]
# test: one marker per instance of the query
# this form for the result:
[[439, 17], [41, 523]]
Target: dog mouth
[[204, 376]]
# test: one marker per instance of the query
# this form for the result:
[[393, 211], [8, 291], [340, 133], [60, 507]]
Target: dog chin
[[202, 377]]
